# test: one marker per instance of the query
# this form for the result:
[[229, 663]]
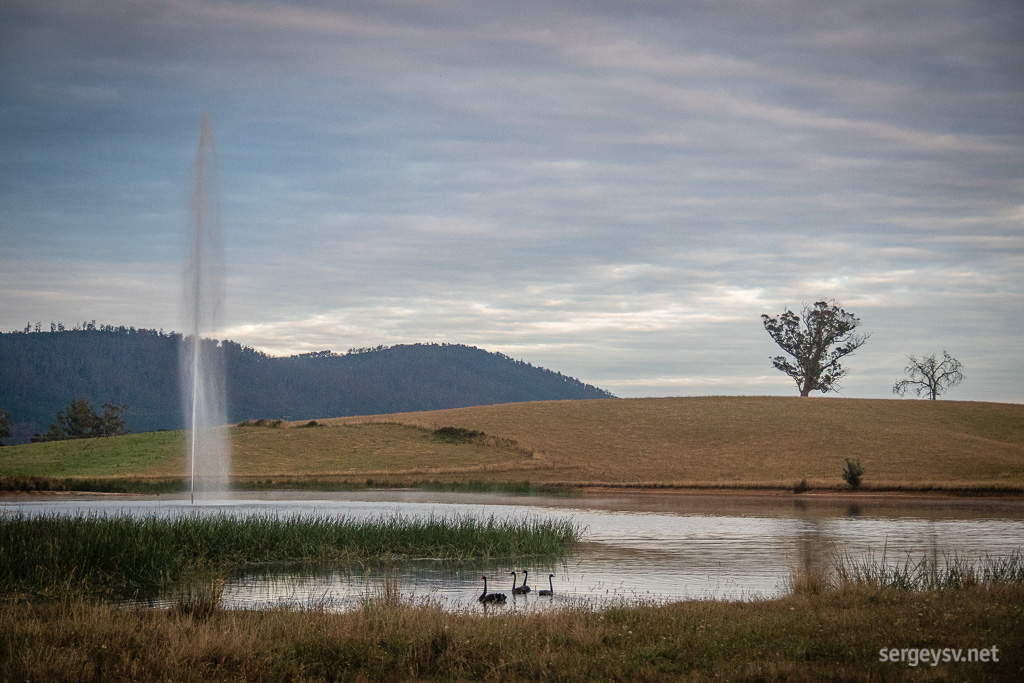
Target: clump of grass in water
[[128, 556], [387, 594], [809, 580], [927, 573], [198, 594]]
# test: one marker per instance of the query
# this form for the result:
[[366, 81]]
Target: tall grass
[[830, 636], [929, 572], [130, 556]]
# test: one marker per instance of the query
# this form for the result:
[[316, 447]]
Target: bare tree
[[816, 341], [929, 376]]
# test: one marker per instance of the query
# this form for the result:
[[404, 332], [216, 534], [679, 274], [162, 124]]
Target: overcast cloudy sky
[[615, 190]]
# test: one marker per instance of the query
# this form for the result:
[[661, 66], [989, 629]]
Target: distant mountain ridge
[[41, 372]]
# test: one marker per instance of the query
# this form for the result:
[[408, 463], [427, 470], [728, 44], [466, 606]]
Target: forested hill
[[41, 372]]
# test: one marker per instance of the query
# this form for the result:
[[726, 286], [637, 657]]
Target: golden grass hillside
[[704, 441], [755, 441]]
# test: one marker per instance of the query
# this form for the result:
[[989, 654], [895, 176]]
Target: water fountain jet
[[202, 372]]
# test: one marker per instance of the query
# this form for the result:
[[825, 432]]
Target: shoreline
[[815, 494], [925, 498]]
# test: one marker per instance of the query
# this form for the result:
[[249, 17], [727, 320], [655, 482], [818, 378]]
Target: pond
[[638, 546]]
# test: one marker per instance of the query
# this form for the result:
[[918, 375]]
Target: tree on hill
[[930, 376], [815, 341], [80, 421]]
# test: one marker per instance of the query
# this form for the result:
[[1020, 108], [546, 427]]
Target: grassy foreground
[[833, 635], [754, 442]]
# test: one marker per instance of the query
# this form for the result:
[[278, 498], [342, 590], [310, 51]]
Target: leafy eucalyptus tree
[[929, 376], [815, 341], [78, 420]]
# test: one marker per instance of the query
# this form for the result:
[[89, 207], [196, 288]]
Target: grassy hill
[[705, 441]]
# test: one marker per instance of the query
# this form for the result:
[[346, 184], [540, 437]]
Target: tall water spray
[[202, 362]]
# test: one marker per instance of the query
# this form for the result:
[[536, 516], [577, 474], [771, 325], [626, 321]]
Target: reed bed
[[128, 556], [929, 572]]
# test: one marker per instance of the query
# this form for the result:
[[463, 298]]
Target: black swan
[[488, 598], [549, 592], [524, 588]]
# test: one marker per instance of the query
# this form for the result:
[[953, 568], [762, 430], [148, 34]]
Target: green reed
[[128, 556], [929, 572]]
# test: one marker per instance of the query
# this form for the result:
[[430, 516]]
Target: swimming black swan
[[524, 588], [488, 598], [549, 592]]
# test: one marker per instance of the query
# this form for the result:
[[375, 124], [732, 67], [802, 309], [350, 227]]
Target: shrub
[[853, 473], [262, 422], [456, 435], [801, 486]]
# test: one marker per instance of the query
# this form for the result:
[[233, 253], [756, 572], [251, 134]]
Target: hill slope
[[754, 441], [706, 441], [42, 372]]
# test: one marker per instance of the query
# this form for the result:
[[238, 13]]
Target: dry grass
[[365, 450], [756, 441], [834, 635], [771, 442]]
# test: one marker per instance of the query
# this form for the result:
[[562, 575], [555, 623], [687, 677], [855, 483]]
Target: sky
[[614, 190]]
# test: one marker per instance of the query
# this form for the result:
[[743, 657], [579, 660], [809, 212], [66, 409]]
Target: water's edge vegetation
[[58, 575], [124, 556], [834, 634], [172, 485]]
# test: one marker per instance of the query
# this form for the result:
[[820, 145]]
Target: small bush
[[853, 473], [801, 486], [262, 422], [457, 435]]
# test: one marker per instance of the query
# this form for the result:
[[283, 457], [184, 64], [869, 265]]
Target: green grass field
[[756, 442]]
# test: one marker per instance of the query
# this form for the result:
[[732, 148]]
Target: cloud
[[613, 190]]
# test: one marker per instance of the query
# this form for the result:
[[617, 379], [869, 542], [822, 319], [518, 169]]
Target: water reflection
[[637, 547]]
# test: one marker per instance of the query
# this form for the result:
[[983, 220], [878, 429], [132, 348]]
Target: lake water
[[651, 546]]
